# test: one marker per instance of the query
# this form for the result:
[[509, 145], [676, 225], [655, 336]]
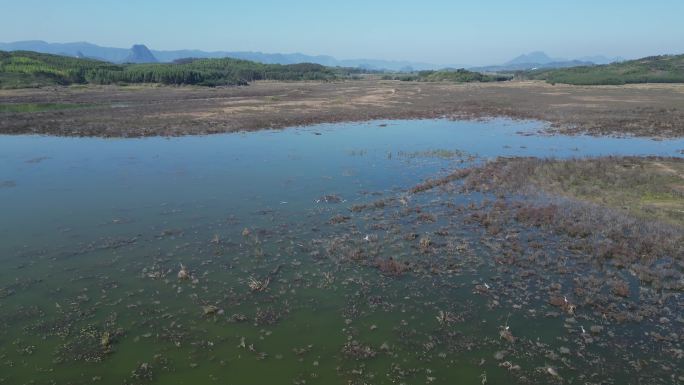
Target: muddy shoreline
[[653, 110]]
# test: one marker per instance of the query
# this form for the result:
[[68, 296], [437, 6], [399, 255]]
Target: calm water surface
[[94, 232]]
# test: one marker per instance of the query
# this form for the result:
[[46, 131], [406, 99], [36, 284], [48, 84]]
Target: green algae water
[[300, 256]]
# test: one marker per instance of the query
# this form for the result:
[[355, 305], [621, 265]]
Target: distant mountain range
[[540, 60], [141, 54]]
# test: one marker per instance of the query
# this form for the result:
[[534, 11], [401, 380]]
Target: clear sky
[[435, 31]]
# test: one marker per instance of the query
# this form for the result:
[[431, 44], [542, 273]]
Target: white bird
[[583, 331], [487, 286], [565, 299], [283, 202], [366, 238]]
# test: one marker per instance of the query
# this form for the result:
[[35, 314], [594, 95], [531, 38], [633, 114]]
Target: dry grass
[[649, 188]]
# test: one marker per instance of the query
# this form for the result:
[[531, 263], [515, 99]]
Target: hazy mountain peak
[[537, 57], [139, 53]]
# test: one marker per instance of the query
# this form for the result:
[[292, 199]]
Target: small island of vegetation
[[455, 76]]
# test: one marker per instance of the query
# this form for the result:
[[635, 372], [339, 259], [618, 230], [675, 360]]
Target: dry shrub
[[620, 288], [432, 183], [537, 216], [391, 266]]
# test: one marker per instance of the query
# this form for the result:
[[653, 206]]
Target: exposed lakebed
[[300, 256]]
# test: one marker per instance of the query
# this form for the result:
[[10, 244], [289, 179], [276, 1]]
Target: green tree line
[[456, 76], [25, 69]]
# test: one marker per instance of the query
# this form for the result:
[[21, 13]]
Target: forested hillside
[[654, 69], [31, 69]]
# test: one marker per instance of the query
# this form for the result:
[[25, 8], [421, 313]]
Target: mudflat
[[654, 110]]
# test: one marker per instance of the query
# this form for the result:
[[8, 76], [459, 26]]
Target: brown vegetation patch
[[646, 187]]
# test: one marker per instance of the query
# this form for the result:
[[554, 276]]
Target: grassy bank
[[39, 107], [649, 188]]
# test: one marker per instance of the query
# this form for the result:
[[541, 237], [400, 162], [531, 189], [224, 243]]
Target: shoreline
[[655, 111]]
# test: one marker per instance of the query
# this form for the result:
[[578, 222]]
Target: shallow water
[[94, 232]]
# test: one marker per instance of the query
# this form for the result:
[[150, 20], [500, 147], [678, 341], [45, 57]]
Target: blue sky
[[435, 31]]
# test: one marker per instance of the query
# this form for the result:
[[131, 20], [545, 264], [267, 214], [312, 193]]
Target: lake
[[241, 259]]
